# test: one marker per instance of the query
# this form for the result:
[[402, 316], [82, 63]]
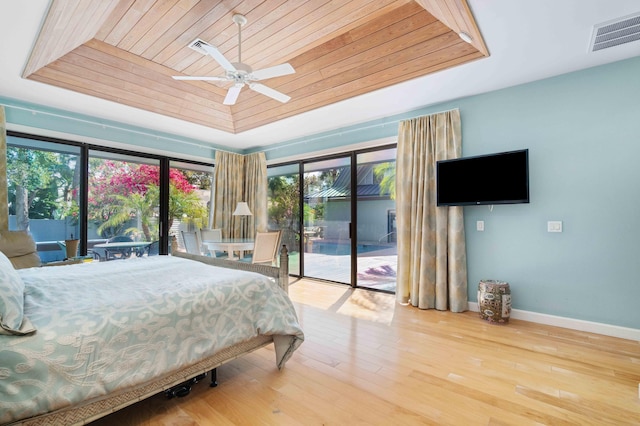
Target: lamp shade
[[242, 209]]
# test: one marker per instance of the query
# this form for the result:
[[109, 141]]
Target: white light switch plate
[[480, 225], [554, 226]]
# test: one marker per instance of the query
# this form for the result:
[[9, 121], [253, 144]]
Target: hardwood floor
[[366, 360]]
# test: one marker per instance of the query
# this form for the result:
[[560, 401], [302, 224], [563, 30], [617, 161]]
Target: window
[[60, 190], [43, 186]]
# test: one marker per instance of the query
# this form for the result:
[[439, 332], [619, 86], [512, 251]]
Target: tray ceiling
[[127, 50]]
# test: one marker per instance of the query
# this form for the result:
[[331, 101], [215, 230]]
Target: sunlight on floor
[[358, 303]]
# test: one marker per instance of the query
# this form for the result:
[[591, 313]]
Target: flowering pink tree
[[120, 192]]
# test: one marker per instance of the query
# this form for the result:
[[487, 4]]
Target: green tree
[[385, 174], [41, 185]]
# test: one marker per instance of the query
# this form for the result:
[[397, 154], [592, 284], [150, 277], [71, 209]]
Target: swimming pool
[[338, 249]]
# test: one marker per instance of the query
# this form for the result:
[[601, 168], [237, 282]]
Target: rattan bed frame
[[94, 409]]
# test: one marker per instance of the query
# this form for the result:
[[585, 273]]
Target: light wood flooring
[[368, 361]]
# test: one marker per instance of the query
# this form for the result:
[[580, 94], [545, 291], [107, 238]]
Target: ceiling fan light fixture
[[239, 73], [465, 37]]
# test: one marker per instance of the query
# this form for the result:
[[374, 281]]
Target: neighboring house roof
[[341, 187]]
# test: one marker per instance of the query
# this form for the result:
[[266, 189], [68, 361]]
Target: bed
[[108, 334]]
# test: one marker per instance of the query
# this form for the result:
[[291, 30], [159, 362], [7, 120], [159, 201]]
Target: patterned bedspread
[[103, 327]]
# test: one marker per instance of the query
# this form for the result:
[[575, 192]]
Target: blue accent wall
[[583, 134], [582, 130]]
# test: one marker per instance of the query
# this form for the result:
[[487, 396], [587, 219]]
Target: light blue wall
[[84, 128], [583, 134], [582, 130]]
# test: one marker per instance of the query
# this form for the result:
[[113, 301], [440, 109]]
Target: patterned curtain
[[229, 190], [432, 263], [255, 189], [4, 200]]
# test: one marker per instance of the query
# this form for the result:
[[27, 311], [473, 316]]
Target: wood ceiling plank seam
[[258, 19], [336, 22], [408, 11], [184, 31], [196, 96], [285, 35], [260, 42], [395, 60], [67, 26], [116, 15], [440, 11], [302, 63], [90, 22], [471, 27], [216, 33], [64, 42], [267, 48], [340, 39], [45, 48], [342, 60], [79, 67], [162, 26], [457, 14], [353, 88], [229, 47], [128, 21], [146, 22], [111, 51], [185, 58], [384, 42], [169, 110]]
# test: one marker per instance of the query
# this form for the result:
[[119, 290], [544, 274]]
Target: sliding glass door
[[327, 219], [123, 200], [189, 200], [284, 209], [376, 230], [338, 217]]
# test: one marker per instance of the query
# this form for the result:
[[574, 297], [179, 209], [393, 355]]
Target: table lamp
[[242, 209]]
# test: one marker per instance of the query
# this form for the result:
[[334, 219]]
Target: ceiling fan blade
[[232, 94], [218, 56], [201, 78], [268, 91], [276, 71]]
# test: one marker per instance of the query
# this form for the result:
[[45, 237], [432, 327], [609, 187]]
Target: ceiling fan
[[238, 73]]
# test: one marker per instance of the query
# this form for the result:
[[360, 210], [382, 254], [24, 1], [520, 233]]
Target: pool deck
[[376, 269]]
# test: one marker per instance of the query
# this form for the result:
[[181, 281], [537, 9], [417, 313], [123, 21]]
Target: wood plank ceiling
[[127, 50]]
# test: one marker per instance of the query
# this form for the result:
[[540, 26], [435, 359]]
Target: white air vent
[[615, 33], [197, 46]]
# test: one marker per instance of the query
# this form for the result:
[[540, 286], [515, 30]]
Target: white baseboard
[[574, 324]]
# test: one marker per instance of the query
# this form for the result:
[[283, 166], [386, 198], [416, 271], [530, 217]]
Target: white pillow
[[12, 300]]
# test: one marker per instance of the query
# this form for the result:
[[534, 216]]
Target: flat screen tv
[[501, 178]]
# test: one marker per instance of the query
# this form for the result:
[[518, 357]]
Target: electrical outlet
[[554, 226]]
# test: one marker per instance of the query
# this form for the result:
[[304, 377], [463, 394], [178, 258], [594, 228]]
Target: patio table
[[231, 245], [124, 248]]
